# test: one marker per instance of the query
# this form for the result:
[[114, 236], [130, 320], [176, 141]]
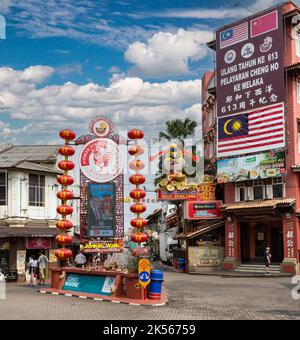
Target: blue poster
[[89, 284]]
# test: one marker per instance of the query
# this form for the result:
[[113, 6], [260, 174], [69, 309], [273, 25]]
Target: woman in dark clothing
[[267, 260]]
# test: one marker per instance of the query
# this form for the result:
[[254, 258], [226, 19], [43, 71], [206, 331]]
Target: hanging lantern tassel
[[65, 195]]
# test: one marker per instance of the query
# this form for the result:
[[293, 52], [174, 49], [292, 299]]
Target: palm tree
[[178, 129]]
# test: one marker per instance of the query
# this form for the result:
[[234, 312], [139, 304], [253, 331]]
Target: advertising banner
[[176, 195], [195, 210], [101, 285], [261, 166], [250, 85], [21, 261], [101, 210]]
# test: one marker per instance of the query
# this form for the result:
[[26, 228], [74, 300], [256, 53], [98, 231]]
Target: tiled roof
[[203, 228], [265, 204]]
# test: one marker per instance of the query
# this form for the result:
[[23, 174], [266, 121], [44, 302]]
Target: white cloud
[[129, 102], [168, 54], [114, 69], [74, 68]]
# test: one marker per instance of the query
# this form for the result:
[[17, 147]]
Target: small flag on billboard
[[234, 35], [264, 24]]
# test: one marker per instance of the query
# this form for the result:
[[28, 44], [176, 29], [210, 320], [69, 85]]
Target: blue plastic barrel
[[181, 265], [156, 280]]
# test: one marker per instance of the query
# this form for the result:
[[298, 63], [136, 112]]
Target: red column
[[232, 243], [290, 224]]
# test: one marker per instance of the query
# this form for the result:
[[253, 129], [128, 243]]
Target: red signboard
[[176, 195], [195, 210], [38, 243]]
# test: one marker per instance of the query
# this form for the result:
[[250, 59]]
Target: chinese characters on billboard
[[101, 220], [250, 85], [195, 210]]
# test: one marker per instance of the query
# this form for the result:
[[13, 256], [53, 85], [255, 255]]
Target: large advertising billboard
[[257, 167], [250, 85], [101, 210]]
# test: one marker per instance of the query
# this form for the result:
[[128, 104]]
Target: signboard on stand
[[21, 261]]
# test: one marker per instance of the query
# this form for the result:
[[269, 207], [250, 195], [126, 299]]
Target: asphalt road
[[190, 298]]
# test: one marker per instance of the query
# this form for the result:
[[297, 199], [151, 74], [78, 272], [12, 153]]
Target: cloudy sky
[[138, 62]]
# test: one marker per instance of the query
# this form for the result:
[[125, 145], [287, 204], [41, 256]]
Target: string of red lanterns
[[137, 194], [64, 225]]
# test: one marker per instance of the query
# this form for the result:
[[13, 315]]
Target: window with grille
[[36, 190], [3, 188]]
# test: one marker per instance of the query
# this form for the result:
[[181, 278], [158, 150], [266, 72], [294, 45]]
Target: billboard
[[101, 210], [196, 210], [176, 195], [257, 167], [250, 85]]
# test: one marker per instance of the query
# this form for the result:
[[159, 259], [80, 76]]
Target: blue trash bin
[[156, 280], [181, 265]]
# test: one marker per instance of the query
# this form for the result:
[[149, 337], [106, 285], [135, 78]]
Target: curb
[[103, 300]]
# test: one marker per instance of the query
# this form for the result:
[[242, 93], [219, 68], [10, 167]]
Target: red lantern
[[63, 239], [64, 210], [136, 165], [136, 150], [64, 225], [66, 165], [139, 223], [137, 179], [67, 135], [135, 134], [63, 253], [140, 251], [138, 194], [66, 150], [139, 238], [65, 180], [138, 208], [65, 195]]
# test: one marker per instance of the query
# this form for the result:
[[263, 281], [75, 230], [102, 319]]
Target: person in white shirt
[[80, 260], [33, 263]]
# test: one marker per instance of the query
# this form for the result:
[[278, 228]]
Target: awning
[[265, 204], [28, 232], [203, 228]]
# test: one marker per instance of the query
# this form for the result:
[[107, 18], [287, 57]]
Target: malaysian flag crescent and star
[[234, 35]]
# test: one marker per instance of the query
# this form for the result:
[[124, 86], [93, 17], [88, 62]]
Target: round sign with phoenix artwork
[[101, 160]]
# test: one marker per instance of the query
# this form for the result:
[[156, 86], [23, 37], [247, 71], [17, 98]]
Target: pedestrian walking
[[33, 266], [42, 262], [268, 260]]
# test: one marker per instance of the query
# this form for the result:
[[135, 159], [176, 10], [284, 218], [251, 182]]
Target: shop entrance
[[254, 241]]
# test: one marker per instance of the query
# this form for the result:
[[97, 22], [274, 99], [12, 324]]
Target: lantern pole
[[65, 225]]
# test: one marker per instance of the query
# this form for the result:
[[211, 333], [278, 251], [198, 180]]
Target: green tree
[[178, 129]]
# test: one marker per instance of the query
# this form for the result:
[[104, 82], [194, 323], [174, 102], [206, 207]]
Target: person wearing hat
[[268, 260]]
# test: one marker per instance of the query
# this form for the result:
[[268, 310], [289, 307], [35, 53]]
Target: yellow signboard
[[144, 272]]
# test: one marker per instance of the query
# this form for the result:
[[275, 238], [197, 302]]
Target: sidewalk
[[222, 273]]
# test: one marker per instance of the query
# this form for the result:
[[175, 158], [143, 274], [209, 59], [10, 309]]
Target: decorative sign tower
[[101, 189]]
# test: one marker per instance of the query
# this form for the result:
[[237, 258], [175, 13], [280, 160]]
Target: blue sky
[[138, 62]]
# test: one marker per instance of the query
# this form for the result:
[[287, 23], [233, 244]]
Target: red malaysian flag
[[264, 24], [254, 131]]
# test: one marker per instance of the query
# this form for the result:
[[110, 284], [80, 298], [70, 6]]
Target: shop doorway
[[245, 243], [277, 245]]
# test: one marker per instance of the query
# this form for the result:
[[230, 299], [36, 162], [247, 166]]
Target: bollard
[[156, 278]]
